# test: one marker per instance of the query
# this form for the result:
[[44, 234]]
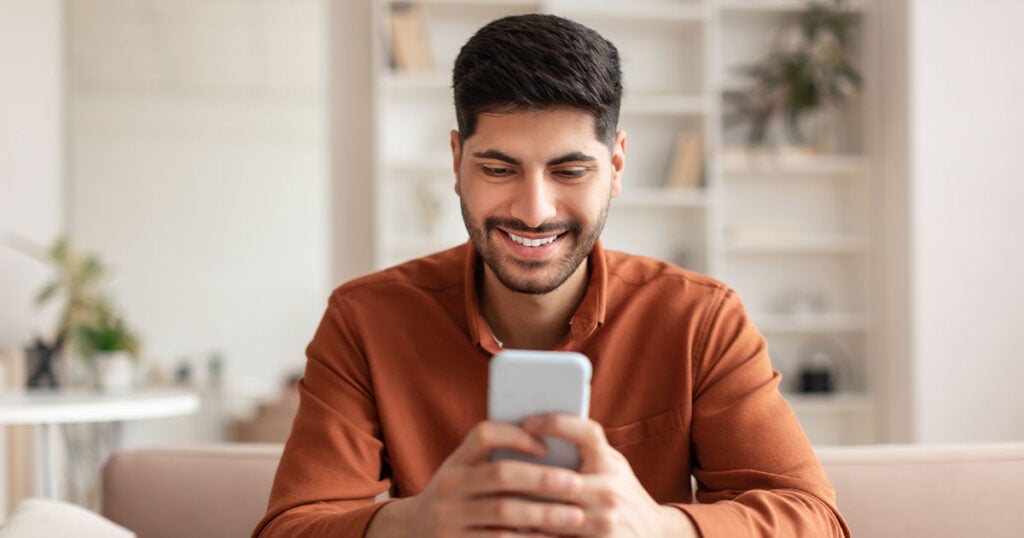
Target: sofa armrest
[[203, 491]]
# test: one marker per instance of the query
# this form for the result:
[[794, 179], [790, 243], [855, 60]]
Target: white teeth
[[531, 242]]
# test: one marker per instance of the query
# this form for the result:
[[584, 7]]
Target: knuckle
[[504, 510], [553, 481], [607, 497], [604, 522], [481, 433], [555, 515], [501, 473], [550, 480]]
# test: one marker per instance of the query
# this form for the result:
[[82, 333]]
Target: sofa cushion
[[209, 491], [936, 491], [883, 491], [43, 518]]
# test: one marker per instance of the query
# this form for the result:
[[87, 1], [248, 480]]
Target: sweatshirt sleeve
[[332, 468], [756, 472]]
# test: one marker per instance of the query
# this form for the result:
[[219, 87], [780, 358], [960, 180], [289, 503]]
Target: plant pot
[[115, 371]]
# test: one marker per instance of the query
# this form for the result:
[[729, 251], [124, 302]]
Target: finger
[[487, 436], [598, 495], [587, 435], [522, 478], [510, 512], [507, 533]]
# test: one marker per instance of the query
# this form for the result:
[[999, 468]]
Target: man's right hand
[[471, 496]]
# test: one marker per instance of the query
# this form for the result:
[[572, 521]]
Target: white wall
[[967, 130], [31, 157], [198, 169], [31, 172]]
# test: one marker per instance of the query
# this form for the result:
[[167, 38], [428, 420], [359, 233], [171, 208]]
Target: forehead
[[542, 132]]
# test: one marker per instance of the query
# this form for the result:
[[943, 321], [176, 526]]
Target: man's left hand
[[612, 498]]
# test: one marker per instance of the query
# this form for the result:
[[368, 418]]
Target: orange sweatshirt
[[397, 375]]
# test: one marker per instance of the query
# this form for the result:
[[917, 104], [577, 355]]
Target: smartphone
[[524, 383]]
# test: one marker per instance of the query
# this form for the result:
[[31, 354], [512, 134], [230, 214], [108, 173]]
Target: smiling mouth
[[528, 242]]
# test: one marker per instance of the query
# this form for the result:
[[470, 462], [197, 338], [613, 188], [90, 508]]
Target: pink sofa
[[902, 491]]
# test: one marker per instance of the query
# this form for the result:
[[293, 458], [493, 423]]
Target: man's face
[[535, 188]]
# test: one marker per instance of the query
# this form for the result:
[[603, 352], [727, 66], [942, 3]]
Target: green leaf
[[47, 292]]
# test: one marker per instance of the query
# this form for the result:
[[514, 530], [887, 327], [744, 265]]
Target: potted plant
[[88, 324], [111, 347], [809, 70]]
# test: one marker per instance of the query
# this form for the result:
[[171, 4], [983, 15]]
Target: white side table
[[46, 408]]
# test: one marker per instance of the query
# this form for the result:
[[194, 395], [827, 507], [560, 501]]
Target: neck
[[526, 321]]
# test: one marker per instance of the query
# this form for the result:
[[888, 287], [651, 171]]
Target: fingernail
[[531, 422]]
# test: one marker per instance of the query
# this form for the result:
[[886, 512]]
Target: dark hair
[[535, 62]]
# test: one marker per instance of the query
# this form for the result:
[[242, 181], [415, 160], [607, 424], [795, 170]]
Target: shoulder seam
[[708, 283], [703, 334]]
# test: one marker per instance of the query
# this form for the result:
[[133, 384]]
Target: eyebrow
[[576, 156]]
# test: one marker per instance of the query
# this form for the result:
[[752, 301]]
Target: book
[[410, 44], [687, 169]]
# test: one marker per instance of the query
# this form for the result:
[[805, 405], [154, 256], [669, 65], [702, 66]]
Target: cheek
[[482, 200], [592, 202]]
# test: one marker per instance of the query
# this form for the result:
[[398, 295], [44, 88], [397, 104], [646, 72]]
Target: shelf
[[661, 197], [800, 245], [810, 324], [665, 104], [668, 12], [470, 3], [762, 6], [838, 402], [767, 164]]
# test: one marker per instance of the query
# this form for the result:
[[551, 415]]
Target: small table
[[46, 408]]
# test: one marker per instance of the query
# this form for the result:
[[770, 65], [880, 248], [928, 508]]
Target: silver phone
[[524, 383]]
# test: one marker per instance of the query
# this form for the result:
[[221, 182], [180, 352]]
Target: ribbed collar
[[588, 317]]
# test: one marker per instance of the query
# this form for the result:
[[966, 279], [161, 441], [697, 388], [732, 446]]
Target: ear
[[456, 157], [618, 162]]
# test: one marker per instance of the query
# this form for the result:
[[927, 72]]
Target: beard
[[535, 277]]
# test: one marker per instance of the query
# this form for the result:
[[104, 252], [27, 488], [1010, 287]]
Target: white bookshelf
[[774, 324], [767, 223], [785, 6], [744, 165], [800, 245], [663, 198]]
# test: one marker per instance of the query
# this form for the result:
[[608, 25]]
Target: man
[[394, 395]]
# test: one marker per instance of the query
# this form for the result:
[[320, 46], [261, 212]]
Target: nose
[[534, 201]]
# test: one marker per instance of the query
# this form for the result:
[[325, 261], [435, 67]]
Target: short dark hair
[[534, 62]]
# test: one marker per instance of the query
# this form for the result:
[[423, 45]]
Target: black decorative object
[[41, 365], [817, 379], [821, 362], [183, 373]]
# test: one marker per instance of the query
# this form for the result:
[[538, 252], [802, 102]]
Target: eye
[[572, 173], [496, 171]]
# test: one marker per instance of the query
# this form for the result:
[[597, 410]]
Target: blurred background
[[229, 162]]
